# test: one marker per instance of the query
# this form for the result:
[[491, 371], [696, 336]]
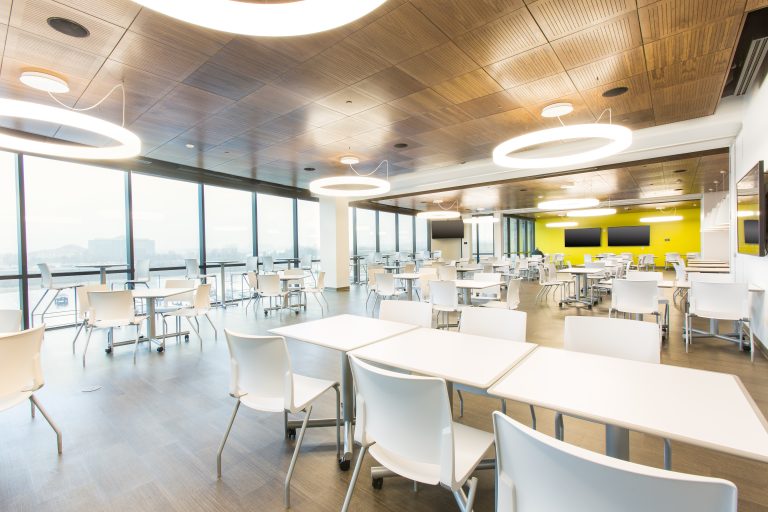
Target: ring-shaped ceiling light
[[593, 212], [619, 138], [438, 215], [485, 219], [561, 224], [662, 218], [128, 144], [265, 19], [349, 186], [568, 204]]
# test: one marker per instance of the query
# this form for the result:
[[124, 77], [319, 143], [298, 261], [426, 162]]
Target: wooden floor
[[147, 439]]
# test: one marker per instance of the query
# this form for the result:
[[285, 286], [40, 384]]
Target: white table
[[223, 265], [581, 285], [708, 270], [463, 270], [284, 280], [703, 408], [151, 296], [343, 333], [102, 269], [467, 285], [409, 278]]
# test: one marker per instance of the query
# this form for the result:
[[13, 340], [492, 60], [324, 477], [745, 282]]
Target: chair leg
[[32, 314], [353, 480], [322, 311], [87, 341], [461, 403], [223, 441], [215, 332], [533, 417], [35, 403], [559, 426], [667, 454], [752, 347], [292, 466], [466, 501], [338, 422], [136, 343], [196, 332], [687, 331], [77, 334], [42, 315]]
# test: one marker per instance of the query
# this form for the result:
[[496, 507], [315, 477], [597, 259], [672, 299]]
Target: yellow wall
[[684, 236]]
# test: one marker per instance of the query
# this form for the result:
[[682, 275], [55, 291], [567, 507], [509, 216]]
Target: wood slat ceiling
[[675, 177], [451, 78]]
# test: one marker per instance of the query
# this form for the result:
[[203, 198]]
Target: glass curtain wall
[[519, 236], [483, 240], [422, 235], [387, 233], [366, 231], [9, 240], [275, 226], [308, 225], [405, 234]]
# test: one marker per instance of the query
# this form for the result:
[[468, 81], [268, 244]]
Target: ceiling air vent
[[752, 64], [748, 65]]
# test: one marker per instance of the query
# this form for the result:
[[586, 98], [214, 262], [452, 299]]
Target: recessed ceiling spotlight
[[480, 209], [678, 171], [349, 101], [44, 81], [616, 91], [349, 160], [189, 146], [541, 197], [557, 110], [309, 169], [68, 27], [523, 190], [571, 185], [401, 145]]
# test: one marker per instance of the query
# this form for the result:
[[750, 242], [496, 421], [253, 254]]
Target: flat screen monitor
[[751, 212], [448, 228], [627, 236], [585, 237]]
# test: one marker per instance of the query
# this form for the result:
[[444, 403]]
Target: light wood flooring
[[147, 439]]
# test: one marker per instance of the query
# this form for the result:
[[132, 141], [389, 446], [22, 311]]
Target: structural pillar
[[334, 241]]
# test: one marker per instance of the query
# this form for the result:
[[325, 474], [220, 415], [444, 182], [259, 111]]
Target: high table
[[284, 280], [356, 268], [222, 281], [151, 296], [102, 269], [288, 262], [392, 268], [467, 285], [699, 407], [343, 333], [581, 285], [409, 278]]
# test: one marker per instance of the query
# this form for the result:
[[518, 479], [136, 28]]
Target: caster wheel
[[377, 483], [296, 312], [186, 338], [265, 314], [108, 350], [344, 465], [560, 305], [160, 349], [589, 306], [291, 434]]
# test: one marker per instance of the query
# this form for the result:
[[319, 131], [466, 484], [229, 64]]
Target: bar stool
[[46, 283]]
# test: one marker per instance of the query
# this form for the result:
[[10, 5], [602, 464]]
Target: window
[[422, 237], [9, 240], [387, 232], [351, 231], [366, 231], [484, 239], [165, 220], [228, 224], [275, 230], [405, 233], [309, 228]]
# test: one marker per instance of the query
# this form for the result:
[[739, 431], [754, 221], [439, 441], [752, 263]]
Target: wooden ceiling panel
[[581, 111], [525, 67], [559, 18], [349, 101], [609, 38], [389, 84], [37, 51], [413, 125], [711, 64], [456, 18], [686, 100], [469, 86], [702, 40], [186, 105], [399, 35], [669, 17], [637, 98], [753, 5], [5, 11], [117, 12], [609, 70], [420, 102], [247, 57], [303, 48], [223, 81], [549, 88], [383, 115], [438, 64], [350, 126], [179, 35], [153, 57], [278, 100], [309, 83], [316, 115], [490, 104], [502, 38], [347, 63], [446, 116]]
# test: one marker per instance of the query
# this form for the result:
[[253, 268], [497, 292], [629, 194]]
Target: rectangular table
[[702, 408], [581, 285], [151, 296], [343, 333], [409, 278], [467, 285], [223, 264], [102, 269], [463, 270]]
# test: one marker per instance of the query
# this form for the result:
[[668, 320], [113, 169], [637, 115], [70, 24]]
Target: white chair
[[269, 288], [21, 373], [10, 320], [487, 294], [261, 378], [251, 265], [635, 297], [720, 301], [267, 264], [447, 273], [373, 272], [512, 299], [536, 473], [193, 271], [681, 281], [407, 312], [646, 262], [46, 283], [548, 281], [385, 289], [110, 310], [85, 306], [141, 275], [642, 275], [201, 305], [252, 281], [423, 283], [443, 297], [405, 422], [670, 259], [305, 264], [318, 289]]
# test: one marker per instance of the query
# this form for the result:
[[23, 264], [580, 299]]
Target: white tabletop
[[694, 406], [343, 332], [456, 357], [579, 270], [474, 284], [687, 285], [709, 270], [408, 275], [159, 293], [97, 265], [284, 277], [468, 269]]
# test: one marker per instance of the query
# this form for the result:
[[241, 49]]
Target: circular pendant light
[[43, 81], [265, 19], [349, 186], [438, 215], [128, 144], [561, 224], [619, 138], [593, 212], [568, 204], [485, 219], [662, 218]]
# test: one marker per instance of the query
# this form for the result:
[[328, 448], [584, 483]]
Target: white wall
[[334, 241], [751, 145], [715, 226]]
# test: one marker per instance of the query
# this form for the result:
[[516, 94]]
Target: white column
[[498, 238], [334, 241]]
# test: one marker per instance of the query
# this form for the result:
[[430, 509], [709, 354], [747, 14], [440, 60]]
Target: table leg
[[151, 327], [223, 287], [347, 412], [617, 442], [103, 275], [409, 288], [356, 271], [466, 296]]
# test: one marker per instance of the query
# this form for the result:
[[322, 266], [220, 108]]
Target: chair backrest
[[506, 324], [443, 293], [20, 367], [587, 258], [407, 312], [320, 282], [192, 268], [253, 280], [305, 262], [446, 273], [188, 297], [267, 264], [46, 278], [82, 296], [142, 270], [409, 419], [252, 264], [613, 337], [639, 275], [513, 293], [269, 284], [10, 320], [679, 271], [385, 284], [704, 277], [298, 272], [409, 268], [491, 277], [428, 270], [719, 299], [202, 299], [538, 473], [638, 297], [106, 306], [425, 282], [260, 367]]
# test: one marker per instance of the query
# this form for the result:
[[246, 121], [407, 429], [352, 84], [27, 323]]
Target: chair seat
[[119, 322], [445, 309], [136, 281], [716, 315], [313, 290], [276, 294], [64, 286], [305, 391], [496, 304], [13, 399], [187, 312]]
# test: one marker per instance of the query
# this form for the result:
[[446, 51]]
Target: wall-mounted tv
[[751, 212], [448, 228], [629, 235], [585, 237]]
